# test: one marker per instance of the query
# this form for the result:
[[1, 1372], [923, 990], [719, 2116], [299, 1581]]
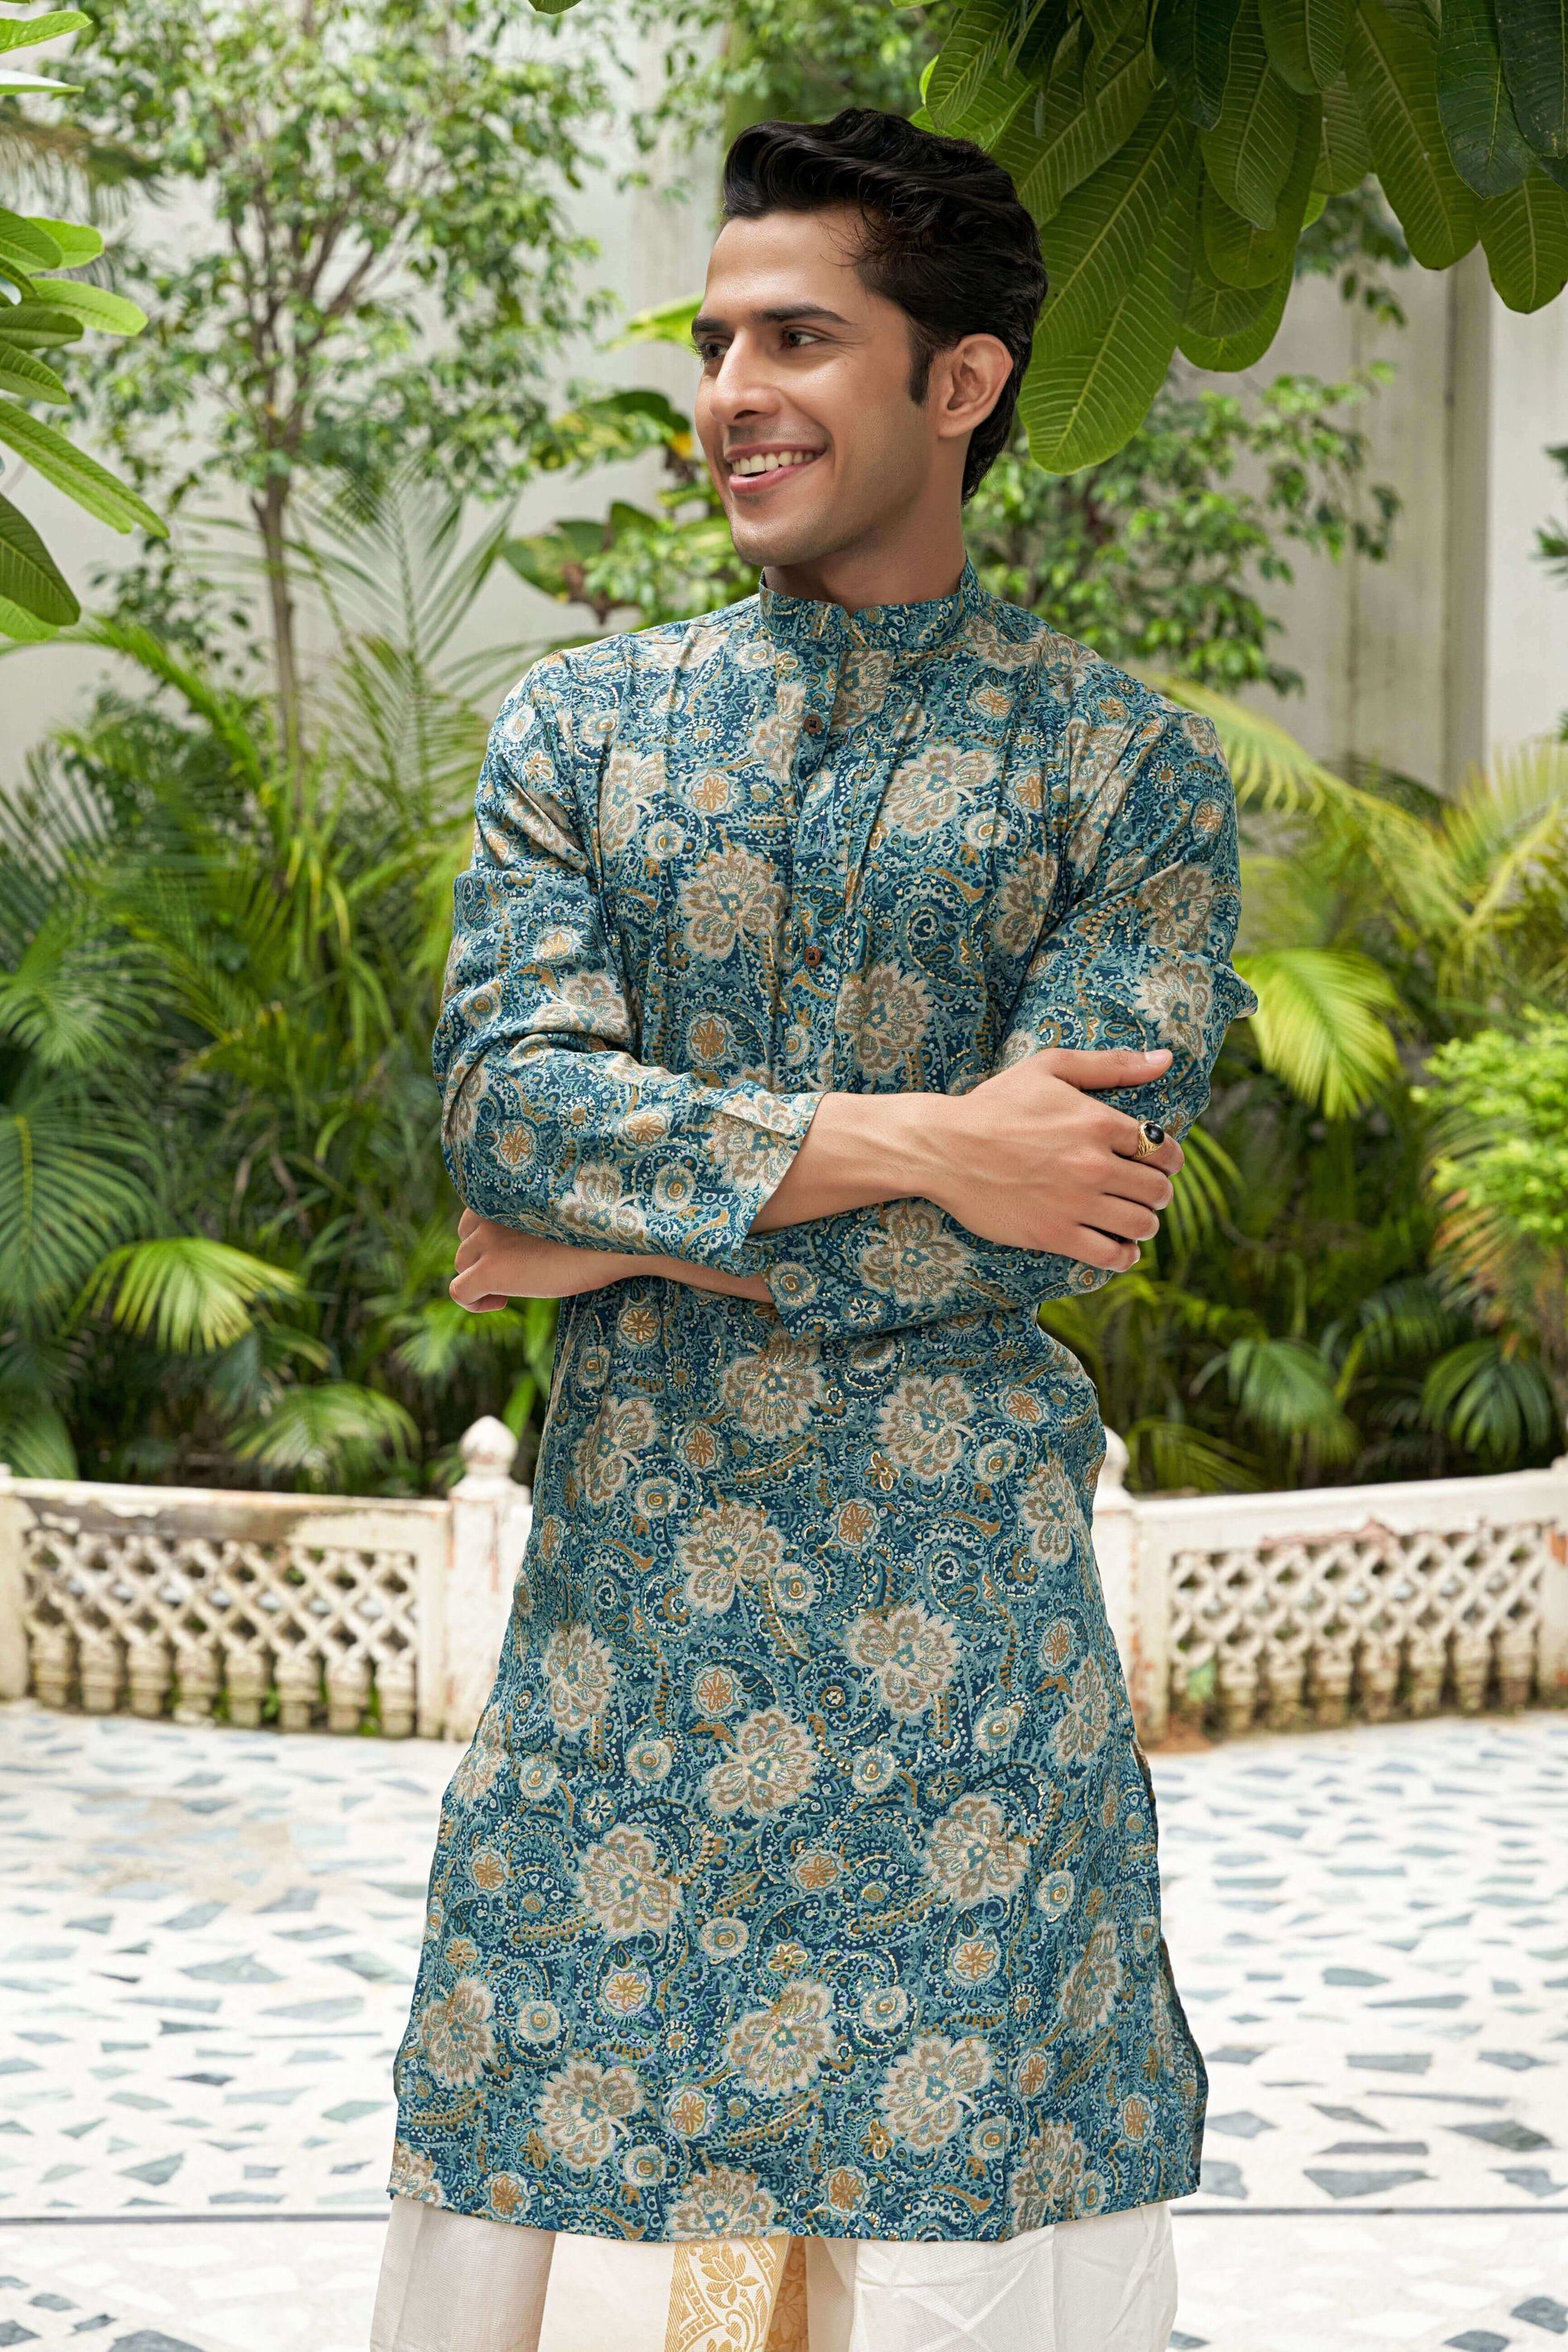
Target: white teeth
[[771, 461]]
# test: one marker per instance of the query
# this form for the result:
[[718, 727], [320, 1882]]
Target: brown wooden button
[[812, 955], [813, 723]]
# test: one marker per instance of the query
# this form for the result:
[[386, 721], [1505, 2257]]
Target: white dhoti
[[459, 2282]]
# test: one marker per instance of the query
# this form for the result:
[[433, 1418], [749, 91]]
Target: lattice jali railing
[[190, 1617], [1297, 1628], [1245, 1611], [303, 1610]]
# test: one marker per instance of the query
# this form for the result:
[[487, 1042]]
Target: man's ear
[[968, 381]]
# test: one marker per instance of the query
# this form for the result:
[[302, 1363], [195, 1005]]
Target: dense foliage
[[225, 1232], [1174, 151], [1500, 1174]]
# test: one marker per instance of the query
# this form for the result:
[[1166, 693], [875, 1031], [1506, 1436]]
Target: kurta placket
[[801, 1877], [821, 790]]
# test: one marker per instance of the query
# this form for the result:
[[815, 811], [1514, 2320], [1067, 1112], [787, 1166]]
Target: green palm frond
[[34, 1440], [188, 1293], [1276, 776], [391, 557], [1507, 818], [71, 1188], [1505, 841], [441, 1339], [325, 1433], [1286, 1390], [1170, 1454], [403, 732], [1491, 1399], [233, 722], [1406, 1319], [1202, 1193], [73, 997], [245, 1379], [1320, 1023], [392, 566]]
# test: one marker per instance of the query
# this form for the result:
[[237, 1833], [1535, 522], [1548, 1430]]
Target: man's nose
[[741, 387]]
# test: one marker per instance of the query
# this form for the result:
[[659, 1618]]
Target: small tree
[[371, 170]]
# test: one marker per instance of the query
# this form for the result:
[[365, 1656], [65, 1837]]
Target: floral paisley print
[[801, 1875]]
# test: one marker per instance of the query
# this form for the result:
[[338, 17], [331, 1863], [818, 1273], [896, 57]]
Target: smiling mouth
[[754, 471]]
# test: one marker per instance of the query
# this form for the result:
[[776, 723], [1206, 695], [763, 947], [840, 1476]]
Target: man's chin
[[804, 539]]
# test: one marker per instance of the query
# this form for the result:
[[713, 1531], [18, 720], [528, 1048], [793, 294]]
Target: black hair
[[946, 237]]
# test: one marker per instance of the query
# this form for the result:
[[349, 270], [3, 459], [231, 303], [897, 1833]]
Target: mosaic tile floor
[[1369, 1932], [210, 1936]]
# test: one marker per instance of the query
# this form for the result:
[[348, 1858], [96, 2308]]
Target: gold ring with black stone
[[1150, 1137]]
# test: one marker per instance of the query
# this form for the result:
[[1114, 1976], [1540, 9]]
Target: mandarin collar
[[811, 621]]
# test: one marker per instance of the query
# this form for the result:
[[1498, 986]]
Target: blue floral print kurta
[[801, 1875]]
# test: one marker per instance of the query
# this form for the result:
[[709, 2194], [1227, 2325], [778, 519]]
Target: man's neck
[[856, 577]]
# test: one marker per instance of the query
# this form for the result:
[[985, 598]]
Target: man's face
[[803, 410]]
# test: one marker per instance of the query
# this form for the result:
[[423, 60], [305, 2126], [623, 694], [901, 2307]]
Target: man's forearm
[[1029, 1158], [696, 1277], [861, 1150]]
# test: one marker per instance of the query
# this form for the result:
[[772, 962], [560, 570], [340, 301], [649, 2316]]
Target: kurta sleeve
[[551, 1124], [1139, 957]]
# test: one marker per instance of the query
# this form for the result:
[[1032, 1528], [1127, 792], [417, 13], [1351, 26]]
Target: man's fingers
[[1095, 1248], [467, 1223], [1093, 1066], [1139, 1179], [1124, 1134], [1129, 1219], [487, 1304], [467, 1285]]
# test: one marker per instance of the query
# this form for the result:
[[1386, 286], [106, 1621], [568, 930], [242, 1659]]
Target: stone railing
[[1231, 1611], [1241, 1612], [309, 1611]]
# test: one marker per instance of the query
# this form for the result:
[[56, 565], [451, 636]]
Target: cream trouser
[[459, 2282]]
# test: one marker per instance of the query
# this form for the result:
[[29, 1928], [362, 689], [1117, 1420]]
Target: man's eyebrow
[[781, 314]]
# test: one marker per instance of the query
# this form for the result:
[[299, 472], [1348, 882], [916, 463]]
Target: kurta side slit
[[800, 1877]]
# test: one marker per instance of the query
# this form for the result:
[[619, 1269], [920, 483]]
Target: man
[[800, 1883]]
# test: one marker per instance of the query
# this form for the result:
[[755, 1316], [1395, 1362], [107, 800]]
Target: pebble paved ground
[[210, 1936]]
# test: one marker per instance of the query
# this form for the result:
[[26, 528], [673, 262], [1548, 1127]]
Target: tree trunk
[[270, 510]]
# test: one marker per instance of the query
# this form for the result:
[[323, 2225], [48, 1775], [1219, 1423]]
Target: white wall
[[1458, 645]]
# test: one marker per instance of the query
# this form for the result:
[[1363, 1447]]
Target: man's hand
[[1027, 1157], [1031, 1159], [496, 1265]]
